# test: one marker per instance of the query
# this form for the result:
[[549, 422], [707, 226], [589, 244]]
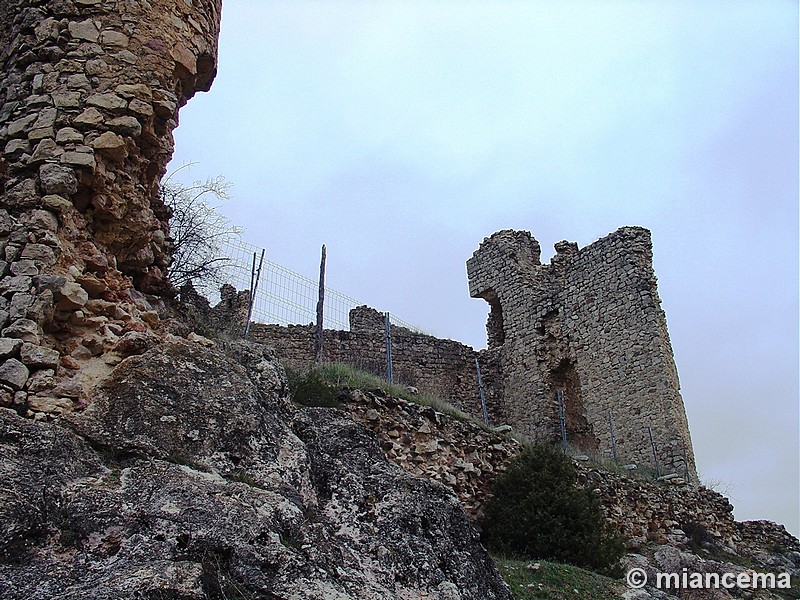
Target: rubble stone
[[9, 347], [38, 357], [58, 179], [23, 329], [71, 296], [14, 374]]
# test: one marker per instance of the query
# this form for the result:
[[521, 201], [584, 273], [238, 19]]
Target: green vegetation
[[322, 385], [641, 472], [537, 512], [246, 478], [67, 534], [546, 580]]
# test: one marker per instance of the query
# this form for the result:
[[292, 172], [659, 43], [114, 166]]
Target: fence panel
[[283, 296]]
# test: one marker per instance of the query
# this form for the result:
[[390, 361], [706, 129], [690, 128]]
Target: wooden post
[[254, 277], [320, 307]]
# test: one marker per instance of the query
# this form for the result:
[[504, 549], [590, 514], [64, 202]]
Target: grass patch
[[322, 385], [555, 581], [246, 478], [67, 536], [642, 472]]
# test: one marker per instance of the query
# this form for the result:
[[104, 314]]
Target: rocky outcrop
[[190, 475]]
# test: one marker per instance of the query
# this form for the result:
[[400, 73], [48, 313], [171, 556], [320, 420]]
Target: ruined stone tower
[[89, 97], [584, 336]]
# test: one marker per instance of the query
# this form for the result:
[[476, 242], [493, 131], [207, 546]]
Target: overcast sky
[[401, 134]]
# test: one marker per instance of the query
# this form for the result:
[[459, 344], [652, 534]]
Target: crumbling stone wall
[[456, 453], [587, 327], [443, 368], [467, 459], [89, 97]]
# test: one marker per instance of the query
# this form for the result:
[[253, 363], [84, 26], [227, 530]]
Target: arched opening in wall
[[495, 333], [579, 432]]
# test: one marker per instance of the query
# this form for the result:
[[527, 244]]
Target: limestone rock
[[126, 126], [39, 253], [23, 329], [46, 149], [20, 304], [15, 284], [52, 405], [56, 203], [23, 194], [57, 179], [206, 476], [111, 144], [14, 374], [16, 147], [107, 101], [93, 285], [109, 37], [9, 347], [135, 342], [40, 381], [67, 135], [67, 99], [84, 30], [68, 388], [38, 357], [79, 159], [71, 296], [90, 117]]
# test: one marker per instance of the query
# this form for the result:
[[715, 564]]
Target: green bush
[[537, 512], [315, 388]]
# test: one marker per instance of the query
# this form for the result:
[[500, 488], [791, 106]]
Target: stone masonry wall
[[589, 325], [89, 97], [443, 368]]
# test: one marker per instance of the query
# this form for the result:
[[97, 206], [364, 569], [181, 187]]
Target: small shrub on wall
[[537, 512]]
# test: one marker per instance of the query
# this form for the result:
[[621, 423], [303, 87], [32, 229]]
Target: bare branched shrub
[[197, 231]]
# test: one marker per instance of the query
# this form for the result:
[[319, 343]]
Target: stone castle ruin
[[582, 341], [140, 459], [89, 98]]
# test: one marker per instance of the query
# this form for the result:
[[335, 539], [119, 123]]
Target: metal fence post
[[320, 307], [562, 417], [483, 395], [388, 328], [254, 277], [655, 456]]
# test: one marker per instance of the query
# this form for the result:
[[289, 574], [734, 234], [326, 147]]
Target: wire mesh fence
[[282, 296]]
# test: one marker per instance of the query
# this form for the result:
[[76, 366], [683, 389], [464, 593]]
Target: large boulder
[[191, 475]]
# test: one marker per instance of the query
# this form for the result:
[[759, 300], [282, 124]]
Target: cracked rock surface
[[191, 475]]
